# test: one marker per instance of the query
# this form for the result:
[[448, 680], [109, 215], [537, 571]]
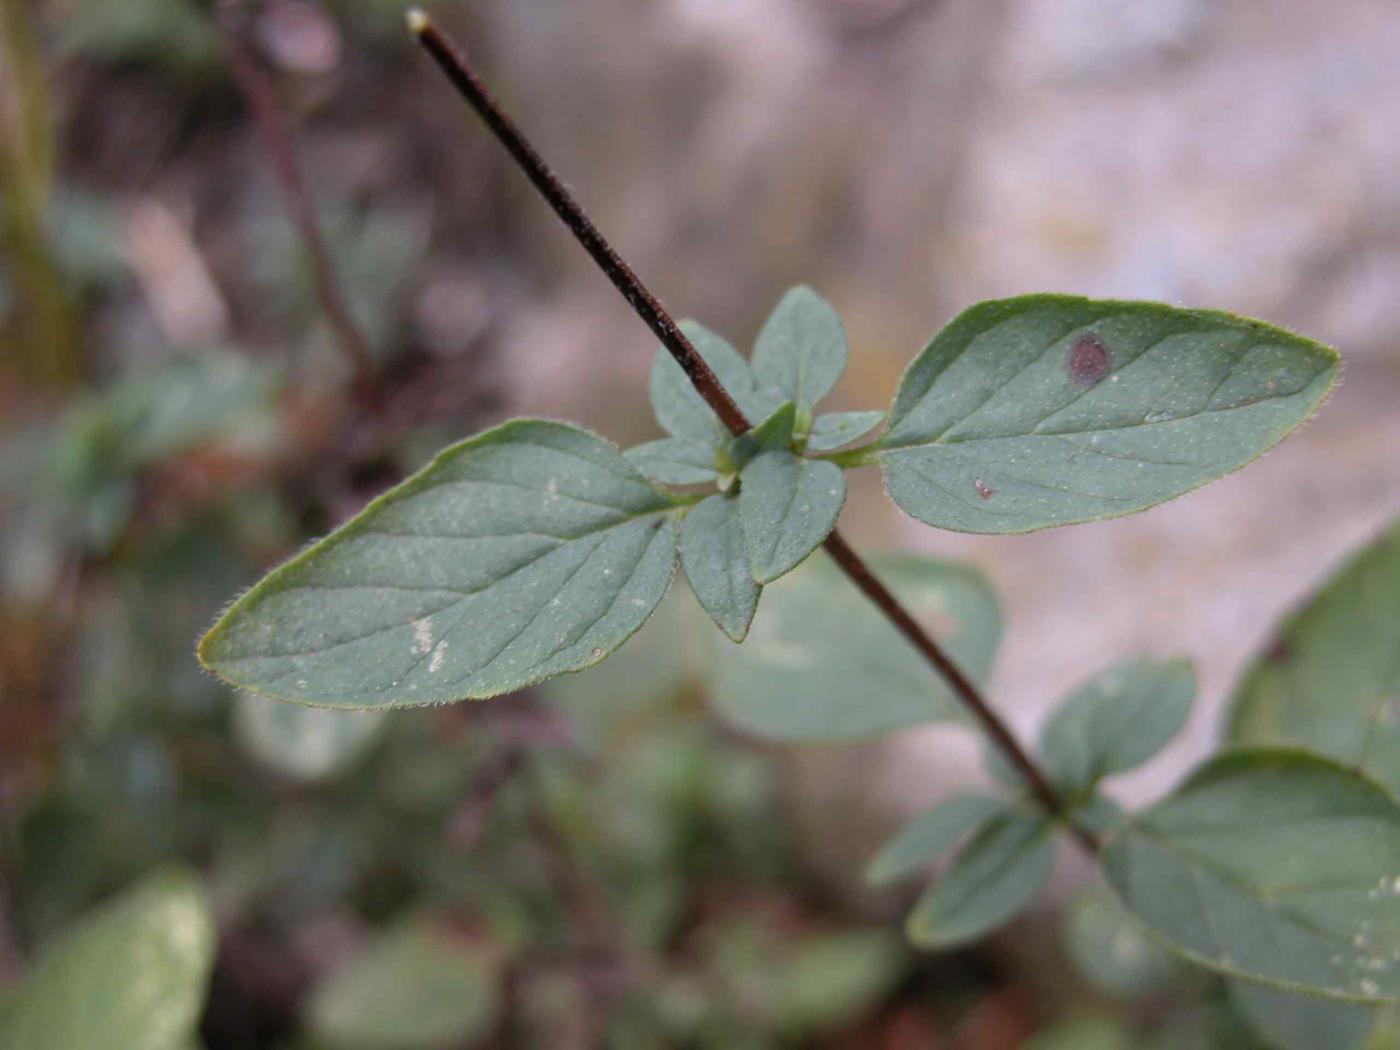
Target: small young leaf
[[682, 411], [1330, 682], [1301, 1022], [928, 835], [817, 643], [419, 985], [1052, 409], [1277, 866], [788, 505], [527, 551], [993, 878], [675, 461], [131, 974], [835, 429], [1117, 720], [801, 350], [774, 434], [716, 563]]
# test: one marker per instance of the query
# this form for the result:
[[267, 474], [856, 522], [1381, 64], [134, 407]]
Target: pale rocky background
[[909, 158]]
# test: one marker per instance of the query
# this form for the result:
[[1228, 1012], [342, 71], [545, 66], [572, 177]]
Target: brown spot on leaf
[[1278, 652], [984, 490], [1088, 361]]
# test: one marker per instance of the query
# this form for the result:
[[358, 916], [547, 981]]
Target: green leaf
[[1277, 866], [818, 645], [1052, 409], [835, 429], [1330, 682], [995, 877], [833, 979], [528, 551], [1287, 1021], [1111, 952], [716, 562], [1117, 720], [925, 838], [682, 411], [417, 986], [675, 461], [304, 743], [787, 506], [133, 973], [801, 350]]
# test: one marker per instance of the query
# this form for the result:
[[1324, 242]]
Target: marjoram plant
[[537, 548]]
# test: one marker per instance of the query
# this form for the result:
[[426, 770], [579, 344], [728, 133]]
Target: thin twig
[[275, 133], [454, 65]]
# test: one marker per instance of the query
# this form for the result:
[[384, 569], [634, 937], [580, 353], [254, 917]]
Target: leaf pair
[[1116, 721]]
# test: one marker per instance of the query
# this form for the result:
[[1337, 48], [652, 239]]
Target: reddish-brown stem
[[455, 66], [275, 132]]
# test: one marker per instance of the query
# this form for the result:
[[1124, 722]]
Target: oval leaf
[[131, 974], [528, 551], [1277, 866], [1110, 950], [682, 411], [716, 563], [675, 461], [1117, 720], [991, 881], [801, 350], [821, 663], [925, 838], [418, 986], [1330, 681], [305, 743], [841, 428], [787, 505], [1301, 1022], [1053, 409]]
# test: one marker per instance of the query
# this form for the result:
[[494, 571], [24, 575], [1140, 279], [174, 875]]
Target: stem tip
[[418, 21]]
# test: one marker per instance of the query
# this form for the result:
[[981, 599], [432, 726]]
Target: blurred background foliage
[[604, 862]]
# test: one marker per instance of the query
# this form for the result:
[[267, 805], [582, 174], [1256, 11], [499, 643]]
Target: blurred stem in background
[[45, 345], [275, 132]]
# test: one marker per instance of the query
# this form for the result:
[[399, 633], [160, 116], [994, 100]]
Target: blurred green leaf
[[1111, 952], [1117, 720], [305, 743], [992, 879], [1050, 410], [1330, 681], [1084, 1033], [925, 838], [530, 550], [817, 642], [829, 980], [1273, 865], [417, 986], [1287, 1021], [133, 973]]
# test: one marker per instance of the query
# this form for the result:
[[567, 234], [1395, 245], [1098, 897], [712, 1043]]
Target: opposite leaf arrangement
[[537, 548]]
